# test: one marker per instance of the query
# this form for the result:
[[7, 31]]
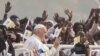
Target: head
[[15, 19], [61, 21], [23, 23], [37, 20], [49, 24], [78, 27], [12, 35], [56, 16], [40, 30]]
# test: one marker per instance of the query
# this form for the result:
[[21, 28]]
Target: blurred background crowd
[[58, 30]]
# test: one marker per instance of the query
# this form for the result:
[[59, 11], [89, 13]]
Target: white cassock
[[54, 51], [35, 42]]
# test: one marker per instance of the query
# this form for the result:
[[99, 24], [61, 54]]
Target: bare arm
[[69, 14], [7, 9]]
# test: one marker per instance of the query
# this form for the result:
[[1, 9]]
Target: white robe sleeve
[[54, 51]]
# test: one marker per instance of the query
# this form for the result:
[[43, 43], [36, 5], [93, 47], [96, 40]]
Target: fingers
[[68, 12], [44, 15], [35, 51], [7, 7], [56, 16], [57, 42]]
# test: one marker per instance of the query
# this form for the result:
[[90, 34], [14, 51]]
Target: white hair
[[38, 27]]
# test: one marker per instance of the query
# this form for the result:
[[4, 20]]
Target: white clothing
[[35, 42], [53, 32], [54, 51]]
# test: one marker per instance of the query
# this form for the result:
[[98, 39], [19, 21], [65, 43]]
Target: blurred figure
[[69, 34], [37, 40], [56, 30], [40, 20], [49, 24], [2, 42], [78, 27], [97, 38], [7, 9]]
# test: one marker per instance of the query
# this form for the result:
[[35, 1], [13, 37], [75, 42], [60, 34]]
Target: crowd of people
[[34, 35]]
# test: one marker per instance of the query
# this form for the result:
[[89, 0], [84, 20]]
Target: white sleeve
[[52, 51]]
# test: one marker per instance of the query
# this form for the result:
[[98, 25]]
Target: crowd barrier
[[92, 48]]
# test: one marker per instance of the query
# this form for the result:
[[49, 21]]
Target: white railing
[[71, 46], [92, 47]]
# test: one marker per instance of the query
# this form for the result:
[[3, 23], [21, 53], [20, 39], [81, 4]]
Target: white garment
[[54, 51], [50, 33], [98, 53], [53, 32], [35, 42]]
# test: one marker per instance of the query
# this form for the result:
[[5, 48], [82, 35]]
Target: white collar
[[37, 37]]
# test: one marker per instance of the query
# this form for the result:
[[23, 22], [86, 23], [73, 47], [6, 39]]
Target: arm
[[90, 20], [7, 9], [56, 16], [92, 31], [54, 51], [44, 15], [69, 14]]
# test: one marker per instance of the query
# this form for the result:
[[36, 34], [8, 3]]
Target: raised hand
[[57, 42], [68, 13], [7, 7], [56, 16], [44, 15], [35, 51]]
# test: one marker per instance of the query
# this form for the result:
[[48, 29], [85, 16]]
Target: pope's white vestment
[[35, 42]]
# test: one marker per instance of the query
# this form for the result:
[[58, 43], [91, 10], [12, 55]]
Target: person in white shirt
[[35, 42]]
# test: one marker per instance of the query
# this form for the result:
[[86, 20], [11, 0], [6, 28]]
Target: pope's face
[[43, 33]]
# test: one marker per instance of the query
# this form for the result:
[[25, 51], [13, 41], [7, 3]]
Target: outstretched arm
[[69, 14], [7, 9]]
